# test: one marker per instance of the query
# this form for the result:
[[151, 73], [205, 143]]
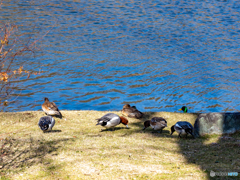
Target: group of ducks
[[111, 120]]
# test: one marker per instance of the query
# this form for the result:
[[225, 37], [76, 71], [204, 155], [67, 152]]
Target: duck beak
[[180, 109], [127, 126]]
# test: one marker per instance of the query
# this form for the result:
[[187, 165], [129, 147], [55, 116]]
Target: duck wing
[[139, 114], [159, 120], [109, 118], [53, 106], [45, 122], [184, 125], [132, 113]]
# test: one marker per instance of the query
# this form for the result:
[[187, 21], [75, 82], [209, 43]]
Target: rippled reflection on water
[[100, 55]]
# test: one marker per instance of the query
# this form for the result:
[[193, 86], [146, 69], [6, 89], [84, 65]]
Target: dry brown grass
[[76, 149]]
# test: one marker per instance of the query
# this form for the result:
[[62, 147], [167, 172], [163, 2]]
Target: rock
[[217, 123]]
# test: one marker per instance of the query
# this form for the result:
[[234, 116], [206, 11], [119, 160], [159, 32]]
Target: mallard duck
[[184, 109], [46, 123], [111, 120], [131, 112], [182, 127], [50, 108], [157, 123]]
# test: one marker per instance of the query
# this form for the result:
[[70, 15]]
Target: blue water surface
[[157, 55]]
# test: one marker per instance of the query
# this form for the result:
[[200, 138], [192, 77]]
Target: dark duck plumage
[[111, 120], [157, 123], [184, 109], [50, 108], [131, 112], [46, 123], [182, 127]]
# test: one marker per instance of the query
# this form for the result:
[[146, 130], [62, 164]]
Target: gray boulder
[[217, 123]]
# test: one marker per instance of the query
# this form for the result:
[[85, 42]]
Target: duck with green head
[[184, 109]]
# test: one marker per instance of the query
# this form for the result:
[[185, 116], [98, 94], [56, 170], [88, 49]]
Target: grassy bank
[[76, 149]]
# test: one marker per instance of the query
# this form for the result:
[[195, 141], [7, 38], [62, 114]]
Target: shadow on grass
[[220, 156], [53, 131], [115, 129], [17, 154]]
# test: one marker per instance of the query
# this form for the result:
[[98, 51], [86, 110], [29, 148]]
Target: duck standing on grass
[[111, 120], [184, 109], [131, 112], [46, 123], [50, 108], [182, 127], [157, 123]]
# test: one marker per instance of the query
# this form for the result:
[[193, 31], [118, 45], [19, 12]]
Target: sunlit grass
[[77, 149]]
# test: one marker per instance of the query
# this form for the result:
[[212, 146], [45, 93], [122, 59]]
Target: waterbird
[[184, 109], [157, 123], [182, 127], [111, 120], [50, 108], [131, 112], [46, 123]]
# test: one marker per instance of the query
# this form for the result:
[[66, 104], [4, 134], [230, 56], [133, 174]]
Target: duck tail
[[98, 122], [60, 115], [139, 115]]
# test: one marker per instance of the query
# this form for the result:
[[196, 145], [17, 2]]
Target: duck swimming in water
[[157, 123], [111, 120], [50, 108], [182, 127], [184, 109], [131, 112], [46, 123]]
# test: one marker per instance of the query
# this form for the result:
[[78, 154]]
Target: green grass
[[77, 149]]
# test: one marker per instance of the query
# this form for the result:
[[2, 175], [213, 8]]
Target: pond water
[[157, 55]]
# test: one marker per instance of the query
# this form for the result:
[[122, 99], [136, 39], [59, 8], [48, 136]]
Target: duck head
[[126, 106], [146, 124], [46, 99], [124, 121], [184, 109], [172, 129], [44, 126], [134, 107]]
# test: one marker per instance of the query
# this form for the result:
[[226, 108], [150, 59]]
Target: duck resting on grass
[[131, 112], [111, 120], [46, 123], [182, 127], [50, 108], [184, 109], [157, 123]]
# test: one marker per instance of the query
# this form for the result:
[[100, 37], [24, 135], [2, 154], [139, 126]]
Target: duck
[[157, 123], [182, 127], [50, 108], [184, 109], [131, 112], [46, 123], [111, 120]]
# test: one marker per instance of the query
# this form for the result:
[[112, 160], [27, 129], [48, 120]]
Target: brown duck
[[50, 108], [131, 112], [157, 123]]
